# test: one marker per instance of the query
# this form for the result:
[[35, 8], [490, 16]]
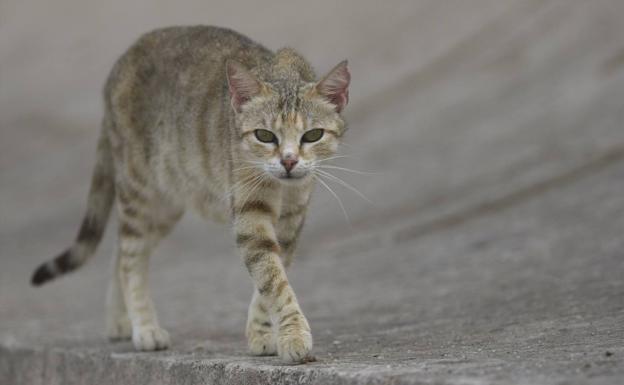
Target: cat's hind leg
[[118, 326], [139, 231]]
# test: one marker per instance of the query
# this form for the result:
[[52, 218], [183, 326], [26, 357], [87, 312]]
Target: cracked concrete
[[493, 251]]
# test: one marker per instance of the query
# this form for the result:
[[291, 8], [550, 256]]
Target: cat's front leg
[[259, 330], [255, 236]]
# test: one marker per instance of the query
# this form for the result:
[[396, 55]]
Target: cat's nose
[[289, 163]]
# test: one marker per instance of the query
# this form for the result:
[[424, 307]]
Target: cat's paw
[[148, 338], [119, 328], [294, 345], [261, 343]]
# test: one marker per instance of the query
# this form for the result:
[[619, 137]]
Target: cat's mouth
[[288, 177], [292, 177]]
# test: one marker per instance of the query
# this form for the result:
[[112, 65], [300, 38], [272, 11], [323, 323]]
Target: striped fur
[[182, 107]]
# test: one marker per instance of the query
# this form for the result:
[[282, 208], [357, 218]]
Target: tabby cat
[[205, 117]]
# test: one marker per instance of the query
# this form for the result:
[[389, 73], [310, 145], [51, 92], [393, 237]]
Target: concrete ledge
[[527, 294]]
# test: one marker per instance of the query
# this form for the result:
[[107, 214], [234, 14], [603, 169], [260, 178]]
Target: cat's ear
[[243, 84], [335, 86]]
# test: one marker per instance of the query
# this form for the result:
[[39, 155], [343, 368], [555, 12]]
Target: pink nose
[[289, 164]]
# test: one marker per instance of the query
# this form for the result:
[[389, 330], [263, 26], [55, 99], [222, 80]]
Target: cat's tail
[[100, 201]]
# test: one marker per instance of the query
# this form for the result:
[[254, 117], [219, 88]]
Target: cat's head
[[288, 125]]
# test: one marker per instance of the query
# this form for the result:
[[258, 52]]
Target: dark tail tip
[[62, 264], [42, 275]]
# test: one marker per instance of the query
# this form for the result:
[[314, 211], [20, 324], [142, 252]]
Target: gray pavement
[[493, 251]]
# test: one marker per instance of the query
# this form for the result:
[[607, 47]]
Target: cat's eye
[[313, 135], [265, 136]]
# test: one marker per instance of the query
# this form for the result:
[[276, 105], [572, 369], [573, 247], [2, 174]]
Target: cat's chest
[[295, 197], [211, 206]]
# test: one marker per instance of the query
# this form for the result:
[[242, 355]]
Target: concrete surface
[[493, 251]]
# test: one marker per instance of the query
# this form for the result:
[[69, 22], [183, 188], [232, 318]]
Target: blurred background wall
[[451, 101]]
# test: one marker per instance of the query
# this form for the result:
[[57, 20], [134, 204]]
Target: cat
[[203, 117]]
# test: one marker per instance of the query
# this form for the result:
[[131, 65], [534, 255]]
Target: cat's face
[[288, 134], [288, 145]]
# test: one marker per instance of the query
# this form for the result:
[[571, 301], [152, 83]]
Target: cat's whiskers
[[327, 166], [334, 157], [244, 161], [244, 168], [241, 184], [344, 211], [343, 183], [257, 182], [246, 183]]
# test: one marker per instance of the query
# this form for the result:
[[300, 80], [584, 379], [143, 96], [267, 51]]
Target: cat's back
[[194, 44], [166, 106], [179, 61], [179, 47]]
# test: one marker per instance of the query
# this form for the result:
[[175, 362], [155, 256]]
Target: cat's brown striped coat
[[204, 117]]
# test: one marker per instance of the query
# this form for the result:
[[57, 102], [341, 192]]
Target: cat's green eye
[[313, 135], [265, 136]]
